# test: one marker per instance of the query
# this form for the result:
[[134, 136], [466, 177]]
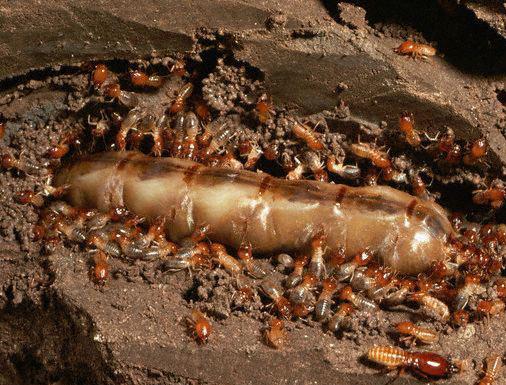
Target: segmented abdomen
[[273, 214]]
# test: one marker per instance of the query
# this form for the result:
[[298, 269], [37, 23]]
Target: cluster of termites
[[157, 117]]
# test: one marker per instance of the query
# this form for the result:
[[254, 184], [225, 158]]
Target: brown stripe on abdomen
[[123, 162], [266, 183], [190, 173], [341, 193], [411, 208]]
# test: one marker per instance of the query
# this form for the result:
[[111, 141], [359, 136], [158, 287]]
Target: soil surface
[[331, 64]]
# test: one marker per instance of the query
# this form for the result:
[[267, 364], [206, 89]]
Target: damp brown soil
[[58, 327]]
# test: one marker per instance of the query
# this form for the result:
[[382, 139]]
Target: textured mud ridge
[[58, 326]]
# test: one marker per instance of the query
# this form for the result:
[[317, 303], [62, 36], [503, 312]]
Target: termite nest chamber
[[179, 117]]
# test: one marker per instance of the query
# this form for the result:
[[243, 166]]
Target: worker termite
[[316, 165], [100, 127], [407, 126], [460, 318], [478, 151], [275, 335], [493, 371], [399, 296], [427, 364], [129, 123], [297, 172], [416, 333], [302, 309], [178, 68], [295, 276], [284, 262], [470, 287], [229, 263], [345, 171], [243, 297], [141, 79], [183, 94], [219, 137], [30, 197], [280, 302], [100, 240], [454, 155], [305, 133], [10, 162], [346, 270], [195, 262], [100, 270], [431, 305], [264, 108], [490, 307], [250, 151], [358, 300], [99, 75], [378, 158], [202, 111], [300, 292], [251, 265], [72, 229], [494, 196], [191, 130], [415, 50], [418, 186], [335, 260], [322, 307], [377, 282], [500, 287], [317, 264], [200, 327], [338, 320]]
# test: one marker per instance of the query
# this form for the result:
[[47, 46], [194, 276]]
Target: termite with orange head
[[478, 151], [427, 364], [490, 307], [347, 171], [338, 320], [432, 306], [317, 264], [100, 270], [407, 126], [252, 267], [417, 333], [322, 307], [9, 162], [264, 108], [346, 270], [223, 258], [295, 277], [494, 196], [471, 286], [141, 79], [306, 133], [415, 50], [358, 300], [99, 75], [300, 292], [180, 100], [275, 335], [280, 302], [200, 327], [493, 370]]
